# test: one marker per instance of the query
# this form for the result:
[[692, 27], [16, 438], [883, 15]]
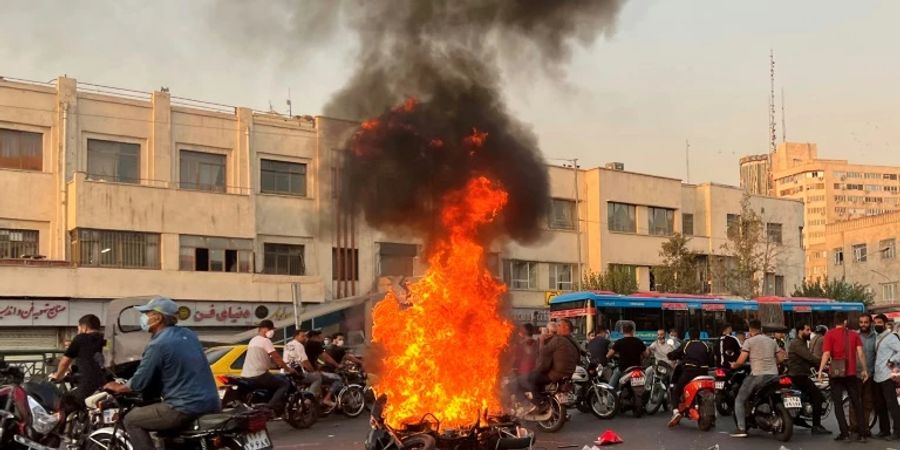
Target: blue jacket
[[174, 364]]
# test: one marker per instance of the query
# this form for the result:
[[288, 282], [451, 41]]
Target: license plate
[[792, 402], [110, 415], [720, 385], [257, 441], [638, 381]]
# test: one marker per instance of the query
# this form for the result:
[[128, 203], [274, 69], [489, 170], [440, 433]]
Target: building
[[864, 250], [832, 191], [756, 174]]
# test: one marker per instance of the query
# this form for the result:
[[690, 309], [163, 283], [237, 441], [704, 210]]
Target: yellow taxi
[[229, 360]]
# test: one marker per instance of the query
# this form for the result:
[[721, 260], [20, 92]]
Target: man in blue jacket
[[175, 368]]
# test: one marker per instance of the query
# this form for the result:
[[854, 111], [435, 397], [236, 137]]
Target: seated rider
[[333, 357], [557, 360], [261, 353], [629, 350], [174, 360], [696, 358]]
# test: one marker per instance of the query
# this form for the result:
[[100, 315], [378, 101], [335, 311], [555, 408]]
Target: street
[[649, 432]]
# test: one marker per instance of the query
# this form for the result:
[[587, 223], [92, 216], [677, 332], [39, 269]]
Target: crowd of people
[[862, 364]]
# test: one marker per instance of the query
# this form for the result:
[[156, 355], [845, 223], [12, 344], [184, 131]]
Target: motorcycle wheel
[[604, 403], [657, 397], [106, 441], [419, 442], [707, 408], [723, 406], [301, 411], [556, 420], [787, 424], [352, 401], [637, 404]]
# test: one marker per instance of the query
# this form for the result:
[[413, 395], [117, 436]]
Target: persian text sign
[[576, 312], [675, 306], [17, 313]]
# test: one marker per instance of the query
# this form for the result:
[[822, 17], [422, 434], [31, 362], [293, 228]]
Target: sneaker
[[739, 433], [819, 429], [676, 417]]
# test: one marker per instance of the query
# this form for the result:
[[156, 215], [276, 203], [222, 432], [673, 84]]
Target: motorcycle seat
[[632, 368], [211, 421], [704, 378]]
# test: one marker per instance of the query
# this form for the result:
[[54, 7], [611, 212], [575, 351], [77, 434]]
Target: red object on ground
[[608, 437]]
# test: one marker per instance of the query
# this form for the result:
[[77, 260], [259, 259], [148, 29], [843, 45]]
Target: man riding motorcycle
[[696, 358], [557, 360], [764, 356], [295, 356], [86, 352], [661, 347], [800, 362], [174, 367], [336, 354], [260, 353], [630, 350], [727, 348]]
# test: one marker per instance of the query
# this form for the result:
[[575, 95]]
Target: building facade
[[864, 250], [756, 175]]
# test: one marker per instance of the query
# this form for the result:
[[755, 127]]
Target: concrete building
[[864, 250], [756, 176], [832, 191]]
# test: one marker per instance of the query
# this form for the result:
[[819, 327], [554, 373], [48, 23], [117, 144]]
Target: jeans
[[806, 385], [888, 391], [276, 384], [314, 380], [614, 378], [336, 382], [140, 421], [852, 386], [751, 384]]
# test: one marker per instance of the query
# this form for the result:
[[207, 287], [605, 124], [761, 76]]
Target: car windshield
[[215, 354]]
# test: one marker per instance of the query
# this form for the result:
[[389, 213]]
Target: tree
[[841, 290], [679, 272], [749, 253], [620, 280]]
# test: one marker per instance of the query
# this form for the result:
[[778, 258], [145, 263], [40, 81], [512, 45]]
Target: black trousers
[[851, 385], [140, 421], [806, 385], [687, 374], [888, 391], [275, 384], [536, 383]]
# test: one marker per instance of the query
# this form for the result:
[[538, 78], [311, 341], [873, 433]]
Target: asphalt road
[[649, 432]]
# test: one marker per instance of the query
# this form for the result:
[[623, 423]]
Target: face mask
[[270, 334], [145, 322], [880, 329]]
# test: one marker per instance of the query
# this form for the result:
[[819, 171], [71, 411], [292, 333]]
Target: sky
[[671, 72]]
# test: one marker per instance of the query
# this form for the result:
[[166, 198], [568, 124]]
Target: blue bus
[[651, 311]]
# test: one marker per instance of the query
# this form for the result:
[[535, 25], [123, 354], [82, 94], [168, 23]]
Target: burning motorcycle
[[34, 414], [301, 409], [236, 429], [772, 408]]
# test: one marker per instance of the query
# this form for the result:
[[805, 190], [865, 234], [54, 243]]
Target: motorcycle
[[806, 411], [592, 393], [632, 390], [772, 408], [236, 429], [659, 379], [698, 402], [351, 399], [301, 408], [728, 383], [34, 414]]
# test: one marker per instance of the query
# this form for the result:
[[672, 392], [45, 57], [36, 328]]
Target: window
[[890, 176], [561, 277], [283, 259], [344, 264], [779, 285], [18, 243], [113, 161], [889, 292], [214, 254], [202, 171], [118, 249], [21, 150], [860, 253], [397, 259], [732, 224], [281, 177], [520, 274], [661, 221], [838, 255], [687, 224], [562, 214], [873, 176], [621, 217], [800, 233], [887, 248], [854, 187], [773, 232]]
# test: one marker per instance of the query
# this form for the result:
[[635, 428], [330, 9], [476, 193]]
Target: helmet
[[580, 375]]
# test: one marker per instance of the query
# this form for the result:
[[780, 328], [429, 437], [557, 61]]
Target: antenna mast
[[687, 159], [783, 126], [772, 132]]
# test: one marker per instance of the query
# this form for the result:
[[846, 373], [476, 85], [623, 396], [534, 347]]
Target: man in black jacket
[[800, 362], [728, 348], [695, 358]]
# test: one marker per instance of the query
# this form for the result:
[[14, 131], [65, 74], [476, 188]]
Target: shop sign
[[530, 315], [40, 313], [228, 314]]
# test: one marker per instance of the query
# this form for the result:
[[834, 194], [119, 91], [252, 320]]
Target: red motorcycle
[[33, 414], [698, 402]]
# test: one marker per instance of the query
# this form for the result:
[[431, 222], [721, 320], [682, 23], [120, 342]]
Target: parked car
[[229, 360]]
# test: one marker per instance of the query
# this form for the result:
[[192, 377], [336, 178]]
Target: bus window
[[646, 321], [679, 320], [711, 323]]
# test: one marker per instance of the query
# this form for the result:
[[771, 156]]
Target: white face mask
[[270, 334]]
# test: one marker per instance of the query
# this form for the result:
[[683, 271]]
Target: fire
[[442, 347]]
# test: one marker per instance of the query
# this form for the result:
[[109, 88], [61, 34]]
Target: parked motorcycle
[[351, 399], [236, 429], [698, 402], [659, 378], [301, 408], [33, 413], [772, 408]]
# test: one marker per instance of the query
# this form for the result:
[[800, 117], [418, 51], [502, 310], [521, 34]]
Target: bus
[[651, 311]]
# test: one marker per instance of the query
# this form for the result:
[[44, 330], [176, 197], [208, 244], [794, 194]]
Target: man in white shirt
[[295, 356], [261, 354]]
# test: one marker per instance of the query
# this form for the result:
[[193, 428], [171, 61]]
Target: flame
[[442, 347]]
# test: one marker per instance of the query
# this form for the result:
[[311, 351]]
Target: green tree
[[841, 290], [620, 280], [748, 254], [679, 272]]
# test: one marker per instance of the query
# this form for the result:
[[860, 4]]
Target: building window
[[887, 248], [779, 285], [890, 176], [117, 249], [283, 259], [838, 255], [800, 235], [687, 224], [889, 292], [215, 254], [561, 276], [773, 233], [281, 177], [397, 259], [21, 150], [860, 252], [18, 243], [562, 214], [202, 171], [344, 264], [113, 161], [621, 217], [520, 274], [661, 221], [732, 225]]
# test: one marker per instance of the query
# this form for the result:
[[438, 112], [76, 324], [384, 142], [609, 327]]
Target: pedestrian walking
[[887, 356], [841, 347], [869, 392]]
